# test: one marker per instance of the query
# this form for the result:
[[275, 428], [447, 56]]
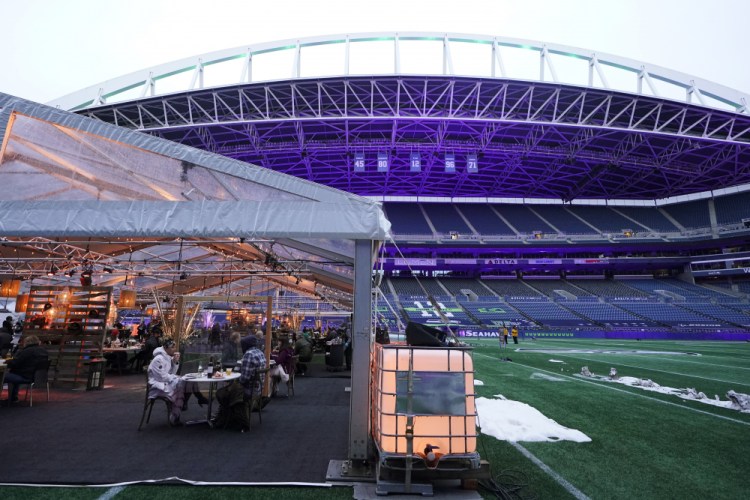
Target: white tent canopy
[[66, 176]]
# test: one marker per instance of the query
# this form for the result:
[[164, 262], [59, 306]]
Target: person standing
[[214, 338], [232, 351], [514, 334], [303, 349], [505, 335]]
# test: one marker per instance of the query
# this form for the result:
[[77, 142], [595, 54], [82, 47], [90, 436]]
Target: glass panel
[[434, 393]]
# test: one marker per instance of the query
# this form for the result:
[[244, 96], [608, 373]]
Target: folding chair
[[148, 405], [41, 377], [256, 399]]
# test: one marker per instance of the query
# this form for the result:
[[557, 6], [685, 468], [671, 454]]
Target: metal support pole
[[359, 425]]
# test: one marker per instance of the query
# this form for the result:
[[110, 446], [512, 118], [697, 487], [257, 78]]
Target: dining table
[[122, 355], [213, 383]]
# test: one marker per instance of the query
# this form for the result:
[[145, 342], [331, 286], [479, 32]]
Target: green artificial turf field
[[644, 445]]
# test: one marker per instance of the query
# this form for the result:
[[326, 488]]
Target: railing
[[532, 236]]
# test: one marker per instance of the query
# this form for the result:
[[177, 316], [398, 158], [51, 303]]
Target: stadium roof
[[581, 126]]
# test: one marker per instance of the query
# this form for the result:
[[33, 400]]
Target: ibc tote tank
[[441, 405]]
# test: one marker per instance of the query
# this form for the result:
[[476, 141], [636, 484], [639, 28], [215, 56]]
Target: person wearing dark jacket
[[23, 365], [6, 342], [8, 324], [145, 355]]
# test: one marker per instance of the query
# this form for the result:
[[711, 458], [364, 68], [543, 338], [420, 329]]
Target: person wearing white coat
[[164, 381]]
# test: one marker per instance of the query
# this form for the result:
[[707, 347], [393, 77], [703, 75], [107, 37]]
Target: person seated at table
[[164, 381], [123, 334], [6, 342], [253, 362], [304, 349], [141, 329], [144, 356], [282, 355], [246, 342], [118, 360], [23, 365], [232, 350]]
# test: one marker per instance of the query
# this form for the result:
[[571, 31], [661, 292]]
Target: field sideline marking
[[554, 475], [678, 359], [671, 373], [736, 348], [111, 493], [688, 361], [607, 386]]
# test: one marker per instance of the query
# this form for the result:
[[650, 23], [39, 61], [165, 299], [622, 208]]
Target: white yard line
[[554, 475], [605, 385]]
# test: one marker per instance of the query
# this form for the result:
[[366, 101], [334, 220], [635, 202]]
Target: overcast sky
[[50, 48]]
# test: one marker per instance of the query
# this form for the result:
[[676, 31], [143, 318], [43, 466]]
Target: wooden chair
[[255, 402], [292, 372], [148, 405], [41, 378]]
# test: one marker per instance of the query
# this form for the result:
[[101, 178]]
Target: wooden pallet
[[71, 323]]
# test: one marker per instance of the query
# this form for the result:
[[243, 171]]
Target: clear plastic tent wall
[[64, 174]]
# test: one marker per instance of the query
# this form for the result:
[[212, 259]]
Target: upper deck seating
[[650, 217], [560, 218], [484, 219], [522, 219], [604, 219], [691, 214], [406, 218], [731, 209], [445, 218]]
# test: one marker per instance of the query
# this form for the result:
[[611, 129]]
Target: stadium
[[578, 196], [631, 197]]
